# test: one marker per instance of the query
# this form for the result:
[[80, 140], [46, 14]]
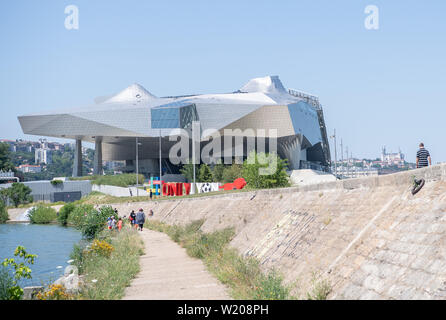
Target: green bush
[[3, 212], [119, 180], [89, 220], [65, 212], [261, 170], [79, 214], [270, 287], [56, 182], [42, 214], [230, 173]]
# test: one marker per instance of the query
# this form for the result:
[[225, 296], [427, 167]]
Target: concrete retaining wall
[[44, 190], [369, 237], [119, 191]]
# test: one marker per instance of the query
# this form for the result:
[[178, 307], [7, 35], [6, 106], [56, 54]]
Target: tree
[[261, 170], [232, 172], [5, 160], [204, 174], [18, 193], [217, 172], [188, 171]]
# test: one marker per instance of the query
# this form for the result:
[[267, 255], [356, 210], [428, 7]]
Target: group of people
[[113, 224], [137, 220]]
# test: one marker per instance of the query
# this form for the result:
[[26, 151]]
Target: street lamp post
[[336, 167], [137, 167], [160, 161]]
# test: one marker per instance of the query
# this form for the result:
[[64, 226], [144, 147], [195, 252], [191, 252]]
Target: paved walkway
[[168, 273]]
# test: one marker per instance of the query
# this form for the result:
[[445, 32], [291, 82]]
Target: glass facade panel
[[165, 118], [173, 116]]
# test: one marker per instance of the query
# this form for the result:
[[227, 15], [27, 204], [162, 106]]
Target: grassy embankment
[[120, 180], [107, 260], [242, 275], [107, 275]]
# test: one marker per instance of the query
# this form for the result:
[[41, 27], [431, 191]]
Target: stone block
[[29, 293]]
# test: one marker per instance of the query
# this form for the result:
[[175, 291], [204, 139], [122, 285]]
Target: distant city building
[[43, 156], [8, 176], [356, 172], [27, 168], [392, 158]]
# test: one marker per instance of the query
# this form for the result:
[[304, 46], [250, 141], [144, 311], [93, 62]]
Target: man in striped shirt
[[423, 157]]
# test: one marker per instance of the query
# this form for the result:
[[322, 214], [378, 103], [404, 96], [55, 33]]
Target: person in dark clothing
[[151, 193], [423, 157], [140, 219], [132, 218]]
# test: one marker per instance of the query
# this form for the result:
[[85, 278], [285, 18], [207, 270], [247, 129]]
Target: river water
[[52, 243]]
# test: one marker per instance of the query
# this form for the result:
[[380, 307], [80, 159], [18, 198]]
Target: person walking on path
[[119, 224], [132, 219], [113, 222], [109, 223], [423, 157], [140, 219]]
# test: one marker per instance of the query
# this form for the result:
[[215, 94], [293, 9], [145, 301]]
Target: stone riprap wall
[[369, 237]]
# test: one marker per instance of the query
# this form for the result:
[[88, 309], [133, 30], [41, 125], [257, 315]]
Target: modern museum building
[[135, 123]]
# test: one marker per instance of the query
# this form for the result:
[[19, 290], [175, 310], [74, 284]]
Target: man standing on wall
[[423, 157]]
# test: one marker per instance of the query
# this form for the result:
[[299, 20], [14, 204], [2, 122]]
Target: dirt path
[[168, 273]]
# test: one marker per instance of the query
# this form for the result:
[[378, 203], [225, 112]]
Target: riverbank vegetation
[[108, 264], [106, 259], [65, 212], [3, 212], [12, 270], [42, 214], [242, 275], [87, 219]]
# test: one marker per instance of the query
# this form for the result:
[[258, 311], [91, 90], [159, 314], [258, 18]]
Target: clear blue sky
[[378, 87]]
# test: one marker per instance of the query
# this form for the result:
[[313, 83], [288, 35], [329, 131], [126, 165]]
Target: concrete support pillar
[[77, 165], [97, 163]]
